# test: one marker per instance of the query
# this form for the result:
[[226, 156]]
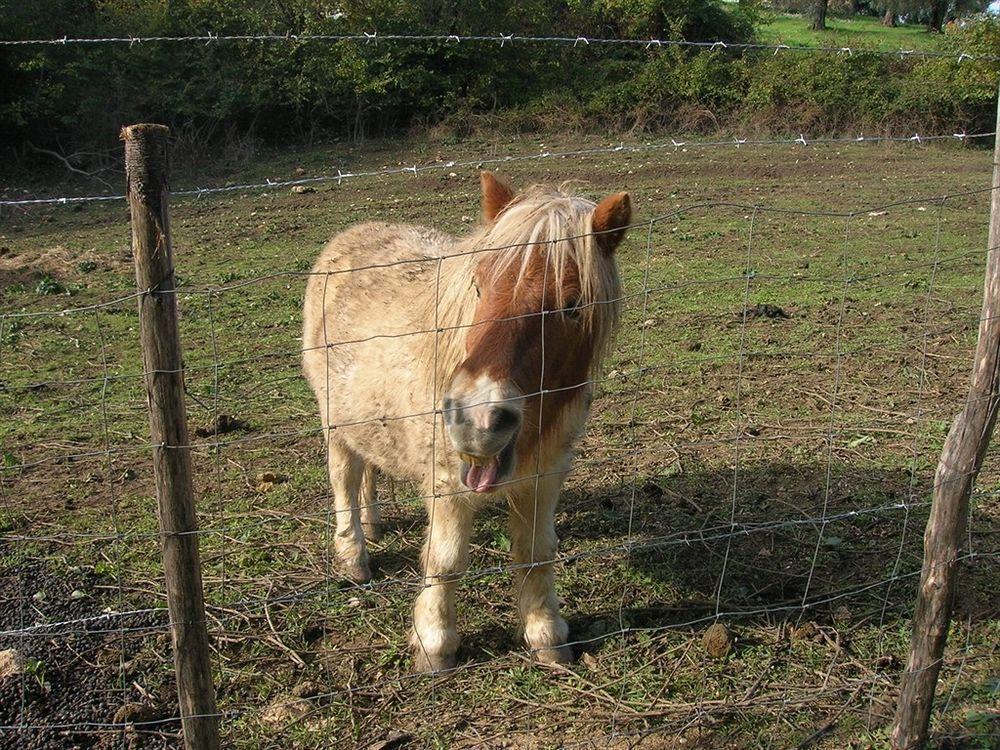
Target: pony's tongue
[[482, 478]]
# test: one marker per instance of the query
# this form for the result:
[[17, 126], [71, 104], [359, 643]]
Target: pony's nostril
[[502, 420]]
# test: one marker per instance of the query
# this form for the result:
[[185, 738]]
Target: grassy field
[[775, 461], [859, 31]]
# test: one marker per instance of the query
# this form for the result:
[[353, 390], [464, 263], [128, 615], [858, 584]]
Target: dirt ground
[[760, 454]]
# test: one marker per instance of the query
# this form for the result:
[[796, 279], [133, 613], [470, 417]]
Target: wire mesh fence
[[759, 455]]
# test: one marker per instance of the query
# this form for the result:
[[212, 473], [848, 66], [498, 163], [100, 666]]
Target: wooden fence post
[[961, 458], [146, 173]]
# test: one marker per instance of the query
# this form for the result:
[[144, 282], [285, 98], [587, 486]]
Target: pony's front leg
[[434, 638], [533, 546]]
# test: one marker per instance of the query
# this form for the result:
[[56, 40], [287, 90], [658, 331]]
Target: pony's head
[[548, 303]]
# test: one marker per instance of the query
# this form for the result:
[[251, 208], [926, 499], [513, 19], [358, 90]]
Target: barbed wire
[[503, 40], [674, 143]]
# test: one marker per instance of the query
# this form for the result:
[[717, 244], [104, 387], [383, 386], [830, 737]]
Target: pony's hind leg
[[371, 518], [346, 470]]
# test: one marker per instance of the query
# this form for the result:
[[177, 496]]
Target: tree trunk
[[819, 16], [889, 19], [939, 10]]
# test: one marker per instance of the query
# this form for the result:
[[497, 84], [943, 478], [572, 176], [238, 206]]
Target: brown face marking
[[508, 334]]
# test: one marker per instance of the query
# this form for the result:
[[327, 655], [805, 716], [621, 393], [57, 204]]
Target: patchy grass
[[816, 434], [857, 31]]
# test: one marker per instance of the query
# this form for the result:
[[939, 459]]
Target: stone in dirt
[[266, 480], [303, 189], [393, 741], [717, 640], [284, 710], [806, 632], [12, 663], [136, 713], [306, 689]]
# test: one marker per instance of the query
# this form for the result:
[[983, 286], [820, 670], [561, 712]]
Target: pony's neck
[[451, 305]]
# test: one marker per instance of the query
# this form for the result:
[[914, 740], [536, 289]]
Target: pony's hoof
[[373, 531], [555, 655], [357, 571], [424, 663]]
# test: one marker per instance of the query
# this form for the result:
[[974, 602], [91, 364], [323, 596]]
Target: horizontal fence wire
[[674, 143], [469, 666], [14, 467], [684, 538], [374, 37], [677, 286]]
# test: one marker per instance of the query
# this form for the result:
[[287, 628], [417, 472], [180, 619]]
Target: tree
[[819, 16], [938, 13]]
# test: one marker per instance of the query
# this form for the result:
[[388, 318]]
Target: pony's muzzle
[[483, 433]]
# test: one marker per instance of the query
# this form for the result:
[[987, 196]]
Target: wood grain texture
[[146, 170]]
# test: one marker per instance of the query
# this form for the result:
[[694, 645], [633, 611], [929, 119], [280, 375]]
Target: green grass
[[896, 293], [858, 31]]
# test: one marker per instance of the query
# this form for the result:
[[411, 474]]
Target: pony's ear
[[611, 217], [496, 195]]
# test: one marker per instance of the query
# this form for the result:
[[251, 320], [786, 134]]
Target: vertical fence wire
[[633, 411], [118, 543], [216, 429], [918, 415], [332, 521], [741, 357], [834, 407], [20, 592]]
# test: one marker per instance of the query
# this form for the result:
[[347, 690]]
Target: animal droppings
[[766, 310]]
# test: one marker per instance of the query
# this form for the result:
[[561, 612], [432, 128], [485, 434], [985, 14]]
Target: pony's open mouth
[[484, 473]]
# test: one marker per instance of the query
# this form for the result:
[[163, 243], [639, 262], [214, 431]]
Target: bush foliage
[[78, 96]]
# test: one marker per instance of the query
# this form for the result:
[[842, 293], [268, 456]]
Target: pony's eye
[[572, 309]]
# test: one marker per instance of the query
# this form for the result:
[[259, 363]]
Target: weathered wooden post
[[961, 458], [146, 173]]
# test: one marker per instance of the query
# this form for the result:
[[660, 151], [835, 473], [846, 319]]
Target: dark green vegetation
[[223, 98], [836, 411]]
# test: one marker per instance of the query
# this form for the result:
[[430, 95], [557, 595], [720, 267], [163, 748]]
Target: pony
[[466, 365]]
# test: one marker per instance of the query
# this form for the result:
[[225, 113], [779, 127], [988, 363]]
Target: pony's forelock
[[558, 224]]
